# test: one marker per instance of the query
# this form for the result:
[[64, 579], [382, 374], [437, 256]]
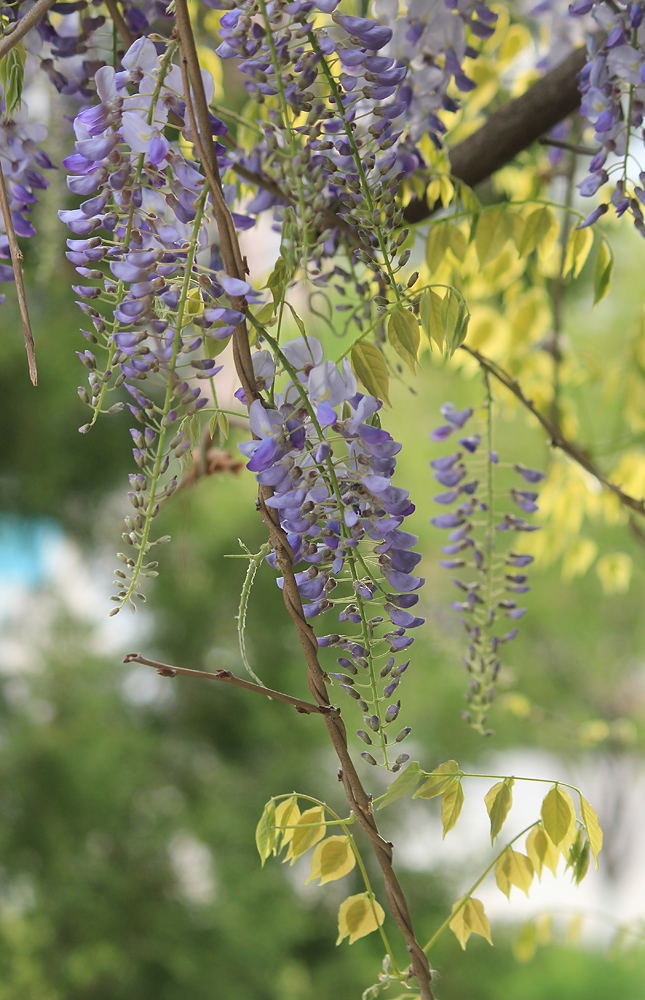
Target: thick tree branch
[[511, 129], [557, 440]]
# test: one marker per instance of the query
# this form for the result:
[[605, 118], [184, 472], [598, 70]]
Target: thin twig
[[557, 439], [119, 22], [226, 677], [24, 25], [16, 260], [571, 146], [360, 802]]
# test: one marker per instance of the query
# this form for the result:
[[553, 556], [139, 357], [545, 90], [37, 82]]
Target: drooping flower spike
[[485, 571]]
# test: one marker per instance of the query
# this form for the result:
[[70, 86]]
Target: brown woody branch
[[25, 24], [557, 439], [226, 677], [511, 129], [360, 801], [16, 261]]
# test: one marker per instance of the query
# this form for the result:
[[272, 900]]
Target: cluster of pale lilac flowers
[[613, 101], [318, 446], [489, 582]]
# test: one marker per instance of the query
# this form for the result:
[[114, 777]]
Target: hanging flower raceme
[[159, 306], [490, 582], [320, 449]]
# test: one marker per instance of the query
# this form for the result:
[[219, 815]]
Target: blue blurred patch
[[26, 546]]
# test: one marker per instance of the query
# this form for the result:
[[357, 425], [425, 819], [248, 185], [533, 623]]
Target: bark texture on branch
[[512, 128]]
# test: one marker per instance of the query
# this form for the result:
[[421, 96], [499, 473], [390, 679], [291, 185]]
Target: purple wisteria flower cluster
[[613, 101], [159, 305], [489, 581], [319, 447]]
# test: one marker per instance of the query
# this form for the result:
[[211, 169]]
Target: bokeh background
[[128, 802]]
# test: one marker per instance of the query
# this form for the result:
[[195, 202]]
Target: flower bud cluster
[[329, 465], [489, 581]]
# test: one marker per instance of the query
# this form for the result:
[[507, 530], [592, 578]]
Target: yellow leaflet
[[406, 782], [403, 334], [539, 226], [542, 851], [309, 829], [514, 869], [371, 370], [592, 826], [437, 245], [287, 815], [578, 247], [493, 231], [498, 803], [265, 832], [451, 802], [332, 859], [602, 272], [578, 557], [438, 780], [358, 916], [430, 313], [470, 919], [557, 814], [615, 572]]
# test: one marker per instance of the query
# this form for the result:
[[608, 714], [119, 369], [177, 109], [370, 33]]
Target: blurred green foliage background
[[128, 803]]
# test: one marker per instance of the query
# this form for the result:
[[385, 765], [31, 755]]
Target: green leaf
[[592, 826], [602, 272], [299, 323], [438, 780], [451, 802], [332, 859], [358, 916], [12, 76], [514, 869], [213, 347], [498, 803], [493, 231], [406, 782], [581, 866], [287, 815], [578, 247], [557, 814], [470, 919], [370, 368], [455, 323], [431, 320], [265, 835], [403, 334]]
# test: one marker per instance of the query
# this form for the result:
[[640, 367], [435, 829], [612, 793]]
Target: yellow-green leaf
[[358, 915], [493, 230], [438, 780], [406, 782], [287, 815], [514, 869], [431, 319], [578, 247], [213, 347], [602, 272], [451, 802], [542, 851], [470, 919], [370, 368], [265, 835], [309, 829], [592, 826], [403, 334], [536, 227], [498, 803], [332, 859], [557, 814], [436, 245]]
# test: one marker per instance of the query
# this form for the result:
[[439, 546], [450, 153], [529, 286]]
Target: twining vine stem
[[16, 261], [359, 800]]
